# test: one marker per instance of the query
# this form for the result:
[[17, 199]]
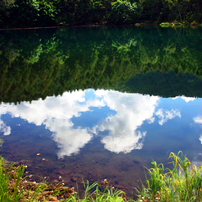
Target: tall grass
[[182, 183], [8, 189]]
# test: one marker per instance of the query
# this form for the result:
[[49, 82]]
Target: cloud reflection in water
[[198, 120], [6, 130], [56, 113], [165, 115], [123, 128], [132, 110]]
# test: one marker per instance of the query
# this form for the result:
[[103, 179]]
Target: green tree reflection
[[39, 63]]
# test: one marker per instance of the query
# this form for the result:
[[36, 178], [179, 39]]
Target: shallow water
[[111, 133]]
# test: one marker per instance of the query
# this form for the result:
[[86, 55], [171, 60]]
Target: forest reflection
[[156, 61]]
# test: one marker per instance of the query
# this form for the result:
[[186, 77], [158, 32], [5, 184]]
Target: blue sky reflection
[[74, 118]]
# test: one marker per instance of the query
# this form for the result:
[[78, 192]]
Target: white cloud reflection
[[165, 115], [200, 138], [186, 99], [123, 128], [198, 120], [6, 130], [56, 113], [132, 110]]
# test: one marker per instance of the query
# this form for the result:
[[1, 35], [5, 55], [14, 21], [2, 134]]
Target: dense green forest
[[39, 63], [31, 13]]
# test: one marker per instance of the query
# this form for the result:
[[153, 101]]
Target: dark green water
[[100, 102]]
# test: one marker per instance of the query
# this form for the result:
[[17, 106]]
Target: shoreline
[[162, 185], [105, 25]]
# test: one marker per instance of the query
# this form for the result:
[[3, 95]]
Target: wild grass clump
[[182, 183], [106, 195], [9, 191]]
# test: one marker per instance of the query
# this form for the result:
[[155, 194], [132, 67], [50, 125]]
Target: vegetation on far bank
[[181, 183], [179, 24], [43, 13]]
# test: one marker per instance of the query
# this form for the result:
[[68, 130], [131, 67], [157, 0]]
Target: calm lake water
[[101, 102]]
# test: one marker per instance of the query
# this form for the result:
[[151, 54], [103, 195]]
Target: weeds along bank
[[32, 13], [181, 183]]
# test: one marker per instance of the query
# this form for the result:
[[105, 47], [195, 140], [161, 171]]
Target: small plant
[[165, 24], [175, 23]]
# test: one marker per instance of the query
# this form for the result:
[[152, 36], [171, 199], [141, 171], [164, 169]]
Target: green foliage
[[92, 193], [165, 24], [182, 183], [22, 13], [7, 194], [123, 12], [26, 11]]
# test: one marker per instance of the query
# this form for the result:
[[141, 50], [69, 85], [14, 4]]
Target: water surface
[[100, 103]]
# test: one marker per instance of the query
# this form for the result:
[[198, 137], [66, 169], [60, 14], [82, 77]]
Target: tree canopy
[[31, 13]]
